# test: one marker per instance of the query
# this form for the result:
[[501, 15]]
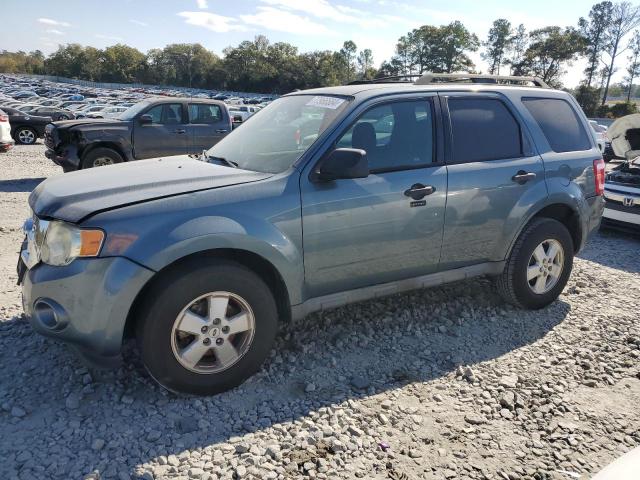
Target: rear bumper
[[596, 209], [85, 303]]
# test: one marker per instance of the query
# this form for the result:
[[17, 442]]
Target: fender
[[156, 237], [272, 246], [559, 193]]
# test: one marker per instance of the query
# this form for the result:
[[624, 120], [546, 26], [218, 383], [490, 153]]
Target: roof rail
[[390, 79], [431, 78]]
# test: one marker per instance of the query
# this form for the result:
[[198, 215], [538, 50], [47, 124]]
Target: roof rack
[[390, 79], [431, 78]]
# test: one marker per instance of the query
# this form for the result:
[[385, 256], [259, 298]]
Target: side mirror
[[145, 119], [237, 119], [343, 163]]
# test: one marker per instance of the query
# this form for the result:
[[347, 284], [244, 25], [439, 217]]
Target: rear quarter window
[[483, 129], [560, 124]]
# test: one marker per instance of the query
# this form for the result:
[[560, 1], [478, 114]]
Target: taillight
[[598, 175], [4, 118]]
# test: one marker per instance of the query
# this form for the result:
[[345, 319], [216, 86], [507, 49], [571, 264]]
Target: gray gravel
[[448, 383]]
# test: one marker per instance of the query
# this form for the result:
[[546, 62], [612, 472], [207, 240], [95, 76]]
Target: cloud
[[54, 31], [56, 23], [323, 10], [202, 4], [283, 21], [109, 37], [215, 23], [138, 22]]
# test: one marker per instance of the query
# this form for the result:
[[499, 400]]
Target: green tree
[[588, 98], [348, 54], [496, 45], [624, 18], [552, 48], [633, 68], [122, 64], [594, 30], [365, 64], [516, 48]]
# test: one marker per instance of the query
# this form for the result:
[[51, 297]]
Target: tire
[[161, 336], [539, 291], [101, 157], [25, 135]]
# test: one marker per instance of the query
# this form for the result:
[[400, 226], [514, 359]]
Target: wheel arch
[[104, 144], [563, 212], [254, 262]]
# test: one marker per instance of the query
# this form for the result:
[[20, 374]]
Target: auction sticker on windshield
[[325, 102]]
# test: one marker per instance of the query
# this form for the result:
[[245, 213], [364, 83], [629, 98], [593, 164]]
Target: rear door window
[[203, 113], [559, 123], [483, 129]]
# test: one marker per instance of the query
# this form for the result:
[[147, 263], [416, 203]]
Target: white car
[[6, 142], [622, 183], [108, 112], [244, 111]]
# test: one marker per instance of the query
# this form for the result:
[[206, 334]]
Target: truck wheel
[[206, 327], [539, 265], [25, 136], [101, 157]]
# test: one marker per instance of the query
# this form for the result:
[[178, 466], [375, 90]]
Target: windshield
[[132, 111], [276, 136]]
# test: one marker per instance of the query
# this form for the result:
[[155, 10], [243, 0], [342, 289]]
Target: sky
[[307, 24]]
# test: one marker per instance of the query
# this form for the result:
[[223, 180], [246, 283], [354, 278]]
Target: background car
[[6, 142], [26, 129]]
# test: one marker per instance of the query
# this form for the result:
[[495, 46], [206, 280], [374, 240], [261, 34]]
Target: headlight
[[63, 243]]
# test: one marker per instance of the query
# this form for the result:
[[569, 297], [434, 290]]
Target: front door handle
[[523, 177], [419, 191], [181, 130], [222, 130]]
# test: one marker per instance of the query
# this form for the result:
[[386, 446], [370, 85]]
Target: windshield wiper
[[228, 163]]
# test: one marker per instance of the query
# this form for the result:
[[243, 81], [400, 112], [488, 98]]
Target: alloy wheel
[[213, 332], [545, 266], [26, 136]]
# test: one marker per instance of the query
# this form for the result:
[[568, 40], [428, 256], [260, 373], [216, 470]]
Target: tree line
[[262, 66]]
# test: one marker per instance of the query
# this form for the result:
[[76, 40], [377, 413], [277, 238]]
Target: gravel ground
[[448, 383]]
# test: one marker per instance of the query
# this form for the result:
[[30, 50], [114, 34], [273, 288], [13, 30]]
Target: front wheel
[[539, 265], [101, 157], [206, 327]]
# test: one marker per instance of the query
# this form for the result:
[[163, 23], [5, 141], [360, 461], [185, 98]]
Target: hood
[[91, 122], [624, 135], [77, 195]]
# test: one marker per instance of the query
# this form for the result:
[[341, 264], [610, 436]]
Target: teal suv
[[323, 198]]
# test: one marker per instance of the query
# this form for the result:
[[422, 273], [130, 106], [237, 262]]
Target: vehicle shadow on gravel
[[352, 352], [20, 184]]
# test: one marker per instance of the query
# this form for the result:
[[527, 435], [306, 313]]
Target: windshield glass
[[133, 110], [276, 136]]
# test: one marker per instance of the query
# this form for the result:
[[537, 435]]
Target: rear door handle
[[222, 130], [419, 191], [181, 130], [523, 177]]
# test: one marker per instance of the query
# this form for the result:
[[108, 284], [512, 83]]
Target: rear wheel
[[539, 265], [101, 157], [25, 136], [206, 327]]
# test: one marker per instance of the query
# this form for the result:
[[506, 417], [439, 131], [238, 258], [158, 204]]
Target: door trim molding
[[334, 300]]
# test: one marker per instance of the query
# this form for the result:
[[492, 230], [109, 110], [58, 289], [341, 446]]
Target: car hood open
[[77, 195]]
